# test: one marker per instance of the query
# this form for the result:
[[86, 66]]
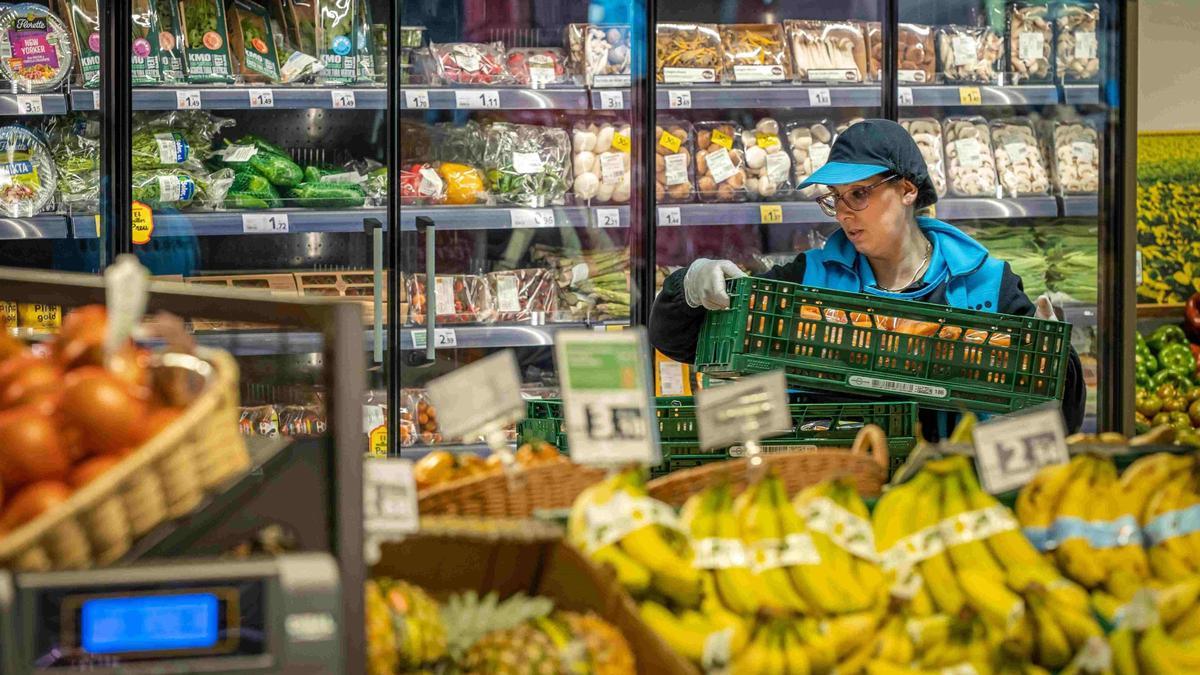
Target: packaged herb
[[84, 19], [295, 65], [170, 41], [35, 48], [364, 43], [143, 59], [335, 41], [205, 41], [305, 13], [252, 42]]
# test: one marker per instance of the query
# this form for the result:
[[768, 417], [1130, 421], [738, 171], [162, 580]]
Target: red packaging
[[461, 298], [520, 294], [538, 66], [421, 184], [471, 63]]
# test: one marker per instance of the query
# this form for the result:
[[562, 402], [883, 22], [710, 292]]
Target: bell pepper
[[1148, 361], [1171, 376], [1166, 335], [1177, 357], [1191, 317]]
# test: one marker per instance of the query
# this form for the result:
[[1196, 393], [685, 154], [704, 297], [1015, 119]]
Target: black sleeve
[[1014, 301], [675, 327]]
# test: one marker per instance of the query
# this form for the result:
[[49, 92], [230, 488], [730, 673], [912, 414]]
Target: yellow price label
[[41, 317], [97, 225], [669, 141], [377, 445], [767, 141], [722, 139], [142, 223], [614, 327], [621, 142], [770, 213], [8, 313], [970, 96]]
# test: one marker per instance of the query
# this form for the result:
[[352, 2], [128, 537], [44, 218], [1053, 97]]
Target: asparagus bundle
[[592, 285]]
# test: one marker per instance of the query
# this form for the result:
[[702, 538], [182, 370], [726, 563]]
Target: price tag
[[749, 409], [668, 216], [416, 99], [389, 499], [769, 214], [142, 223], [612, 100], [905, 95], [679, 98], [29, 105], [95, 99], [343, 99], [606, 396], [1009, 450], [187, 99], [722, 139], [261, 98], [443, 338], [486, 393], [608, 217], [621, 142], [970, 96], [477, 99], [531, 218], [670, 141], [265, 223], [819, 97]]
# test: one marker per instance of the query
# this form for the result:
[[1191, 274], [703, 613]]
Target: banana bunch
[[1162, 487], [618, 525], [840, 526], [1144, 644], [710, 638], [1177, 606]]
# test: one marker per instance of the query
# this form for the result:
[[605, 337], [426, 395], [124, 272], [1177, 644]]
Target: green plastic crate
[[808, 333]]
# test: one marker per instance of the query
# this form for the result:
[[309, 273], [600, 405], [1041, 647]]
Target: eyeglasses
[[855, 198]]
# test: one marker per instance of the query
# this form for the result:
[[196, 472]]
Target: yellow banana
[[925, 632], [738, 589], [1075, 555], [991, 598], [1078, 626], [1037, 501], [630, 573], [1127, 564], [973, 555], [1009, 547], [776, 659], [688, 641], [1187, 626], [1157, 654], [754, 658], [1108, 606], [795, 657], [1175, 600], [1171, 559], [868, 573], [1144, 477], [826, 585], [882, 667], [818, 645], [1124, 654], [1053, 645], [760, 530], [1046, 579], [936, 570]]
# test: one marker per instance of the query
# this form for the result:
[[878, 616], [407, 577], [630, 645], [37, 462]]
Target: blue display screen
[[149, 623]]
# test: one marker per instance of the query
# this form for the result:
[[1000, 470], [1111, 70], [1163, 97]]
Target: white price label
[[819, 97], [531, 218], [389, 498], [265, 223], [482, 394], [187, 99], [1009, 450], [477, 99], [611, 100], [443, 338], [261, 98], [608, 217], [343, 98], [668, 216], [679, 98], [905, 95], [749, 409], [416, 99], [29, 105], [95, 99]]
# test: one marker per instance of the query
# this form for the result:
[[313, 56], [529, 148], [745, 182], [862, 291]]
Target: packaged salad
[[84, 19], [75, 144], [527, 165], [162, 189], [688, 53], [143, 59], [182, 139], [252, 43], [35, 48], [335, 41], [28, 176], [364, 43], [205, 41], [170, 41]]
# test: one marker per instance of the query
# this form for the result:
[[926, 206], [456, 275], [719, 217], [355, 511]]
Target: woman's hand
[[704, 283], [1042, 308]]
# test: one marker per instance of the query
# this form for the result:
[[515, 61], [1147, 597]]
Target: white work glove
[[1042, 308], [704, 283]]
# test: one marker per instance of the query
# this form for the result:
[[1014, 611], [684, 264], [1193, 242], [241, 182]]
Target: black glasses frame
[[828, 201]]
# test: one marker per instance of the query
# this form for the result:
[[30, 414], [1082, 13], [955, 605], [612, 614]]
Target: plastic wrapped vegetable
[[673, 178], [601, 162], [755, 52], [969, 54], [206, 41], [420, 184], [688, 53], [827, 51], [376, 186], [720, 162], [538, 66], [1077, 49], [465, 184], [36, 48], [768, 165], [460, 298], [917, 57], [1076, 158], [28, 176], [1030, 36], [75, 144], [972, 168], [601, 54], [527, 165], [1019, 164], [810, 143], [254, 154], [181, 138], [84, 20], [462, 144], [251, 191], [470, 63], [927, 133], [166, 188], [325, 195], [519, 294]]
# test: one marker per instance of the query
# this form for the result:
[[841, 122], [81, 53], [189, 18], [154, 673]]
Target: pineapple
[[608, 652], [413, 620], [490, 636], [523, 650]]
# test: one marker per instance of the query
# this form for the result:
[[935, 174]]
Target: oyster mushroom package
[[971, 168], [600, 158], [1030, 38], [527, 165], [827, 51], [688, 53], [1076, 158], [673, 179], [927, 133], [1019, 164], [720, 162], [968, 54], [810, 143], [36, 52], [768, 165], [601, 54], [1077, 49], [755, 52], [917, 58]]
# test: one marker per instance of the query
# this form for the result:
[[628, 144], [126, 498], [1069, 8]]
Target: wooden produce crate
[[276, 284], [351, 284]]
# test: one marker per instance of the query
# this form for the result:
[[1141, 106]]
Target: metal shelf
[[488, 337], [805, 212], [782, 95], [953, 95], [33, 104], [212, 223], [1081, 205], [268, 342], [49, 226], [506, 218], [1081, 94], [500, 98], [239, 98], [1021, 207]]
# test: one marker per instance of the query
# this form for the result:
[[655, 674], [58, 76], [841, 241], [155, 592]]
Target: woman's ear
[[910, 192]]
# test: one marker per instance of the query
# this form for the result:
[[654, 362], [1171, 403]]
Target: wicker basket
[[545, 486], [868, 468], [166, 478]]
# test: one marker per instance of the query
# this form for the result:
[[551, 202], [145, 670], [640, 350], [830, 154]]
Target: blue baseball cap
[[872, 147]]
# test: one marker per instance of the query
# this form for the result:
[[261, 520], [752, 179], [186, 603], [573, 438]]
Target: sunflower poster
[[1168, 215]]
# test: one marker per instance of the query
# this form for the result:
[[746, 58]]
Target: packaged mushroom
[[971, 170], [1076, 158], [687, 53], [600, 156], [969, 54], [673, 178], [827, 51], [917, 62], [720, 162], [1019, 165], [755, 52], [927, 133], [1030, 37], [843, 126], [810, 143], [1077, 49], [768, 166], [600, 54]]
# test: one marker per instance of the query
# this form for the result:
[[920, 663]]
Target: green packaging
[[253, 42], [205, 41], [84, 18], [364, 43], [170, 41], [335, 41], [143, 59]]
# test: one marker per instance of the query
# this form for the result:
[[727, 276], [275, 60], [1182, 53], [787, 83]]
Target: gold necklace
[[924, 263]]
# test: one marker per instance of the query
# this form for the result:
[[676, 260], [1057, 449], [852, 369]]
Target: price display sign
[[748, 409], [679, 98], [261, 98], [669, 216], [478, 99], [970, 96], [343, 99], [29, 105], [187, 99], [443, 338], [607, 394], [482, 395], [608, 218], [819, 97], [611, 100], [389, 502], [416, 99], [265, 223], [905, 95], [1009, 450]]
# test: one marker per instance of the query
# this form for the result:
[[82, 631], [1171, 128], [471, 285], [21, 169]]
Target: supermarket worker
[[877, 181]]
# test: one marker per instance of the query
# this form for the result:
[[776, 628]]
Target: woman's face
[[877, 230]]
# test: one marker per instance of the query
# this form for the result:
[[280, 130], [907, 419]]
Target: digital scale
[[277, 615]]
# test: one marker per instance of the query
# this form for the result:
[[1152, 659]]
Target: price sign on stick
[[749, 409], [389, 503], [1009, 450], [606, 386], [477, 397]]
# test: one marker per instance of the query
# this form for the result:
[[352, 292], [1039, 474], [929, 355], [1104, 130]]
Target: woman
[[878, 180]]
